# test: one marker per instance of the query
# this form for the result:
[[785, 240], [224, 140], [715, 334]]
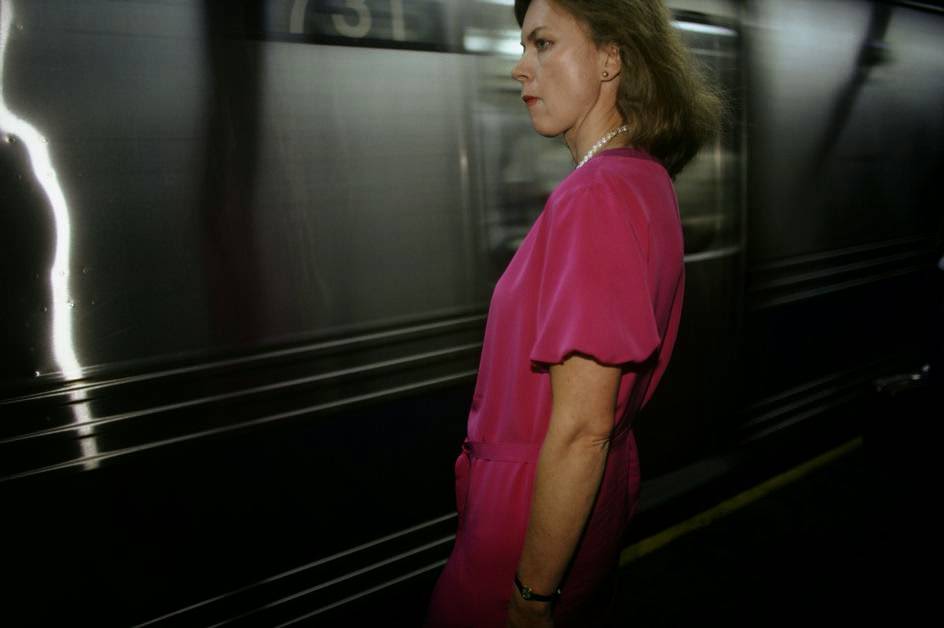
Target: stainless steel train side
[[248, 252]]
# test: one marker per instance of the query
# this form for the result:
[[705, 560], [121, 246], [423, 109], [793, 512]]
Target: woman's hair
[[670, 109]]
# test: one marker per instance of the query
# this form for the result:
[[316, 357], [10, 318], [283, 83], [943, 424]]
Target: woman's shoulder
[[615, 178], [624, 165]]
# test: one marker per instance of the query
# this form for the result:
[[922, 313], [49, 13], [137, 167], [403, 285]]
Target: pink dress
[[600, 273]]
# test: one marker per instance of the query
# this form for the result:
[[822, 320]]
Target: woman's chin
[[543, 128]]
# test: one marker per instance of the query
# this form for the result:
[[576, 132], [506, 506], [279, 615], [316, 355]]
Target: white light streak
[[504, 42], [706, 29], [12, 126]]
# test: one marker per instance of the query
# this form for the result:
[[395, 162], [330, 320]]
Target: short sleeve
[[594, 297]]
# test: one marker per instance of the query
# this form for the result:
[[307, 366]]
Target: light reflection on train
[[286, 219]]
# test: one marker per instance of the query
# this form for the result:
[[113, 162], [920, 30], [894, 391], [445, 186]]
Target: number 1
[[397, 23]]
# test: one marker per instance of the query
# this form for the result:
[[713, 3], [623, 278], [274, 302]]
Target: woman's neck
[[581, 138]]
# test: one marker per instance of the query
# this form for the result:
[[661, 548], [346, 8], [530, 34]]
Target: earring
[[606, 74]]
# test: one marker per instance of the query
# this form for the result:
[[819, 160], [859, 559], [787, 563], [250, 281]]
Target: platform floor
[[850, 541]]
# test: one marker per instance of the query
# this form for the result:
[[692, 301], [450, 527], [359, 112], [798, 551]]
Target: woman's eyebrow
[[533, 33]]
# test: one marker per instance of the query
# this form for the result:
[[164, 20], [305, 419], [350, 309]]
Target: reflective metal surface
[[215, 191], [247, 248], [846, 134]]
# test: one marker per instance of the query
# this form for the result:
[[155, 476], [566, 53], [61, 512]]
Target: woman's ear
[[612, 62]]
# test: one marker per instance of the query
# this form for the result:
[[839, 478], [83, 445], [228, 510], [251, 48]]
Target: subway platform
[[849, 536]]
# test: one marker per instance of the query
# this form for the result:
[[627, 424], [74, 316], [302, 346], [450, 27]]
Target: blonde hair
[[670, 109]]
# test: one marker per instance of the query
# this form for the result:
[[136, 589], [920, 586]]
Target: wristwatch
[[529, 595]]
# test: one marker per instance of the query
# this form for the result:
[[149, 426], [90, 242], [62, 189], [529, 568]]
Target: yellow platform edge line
[[728, 506]]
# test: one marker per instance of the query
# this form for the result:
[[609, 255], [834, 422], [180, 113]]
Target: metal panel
[[848, 99], [226, 192]]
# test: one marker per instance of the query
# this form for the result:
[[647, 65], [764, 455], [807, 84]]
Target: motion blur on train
[[248, 247]]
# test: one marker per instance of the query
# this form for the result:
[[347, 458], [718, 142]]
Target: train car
[[248, 249]]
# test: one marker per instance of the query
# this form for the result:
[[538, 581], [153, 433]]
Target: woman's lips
[[529, 100]]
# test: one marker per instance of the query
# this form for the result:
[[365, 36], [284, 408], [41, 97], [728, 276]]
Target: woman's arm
[[567, 478]]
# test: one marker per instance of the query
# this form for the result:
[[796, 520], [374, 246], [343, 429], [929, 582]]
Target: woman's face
[[559, 70]]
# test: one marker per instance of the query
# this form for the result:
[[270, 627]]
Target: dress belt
[[519, 452], [503, 452]]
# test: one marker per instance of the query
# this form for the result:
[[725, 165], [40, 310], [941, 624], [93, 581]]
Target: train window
[[709, 189], [520, 169]]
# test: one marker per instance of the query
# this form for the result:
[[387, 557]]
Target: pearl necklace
[[603, 141]]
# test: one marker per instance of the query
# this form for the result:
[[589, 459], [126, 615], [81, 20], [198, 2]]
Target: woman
[[581, 324]]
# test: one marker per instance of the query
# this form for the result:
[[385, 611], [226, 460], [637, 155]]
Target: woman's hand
[[524, 614]]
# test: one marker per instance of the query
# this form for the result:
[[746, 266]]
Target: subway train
[[248, 248]]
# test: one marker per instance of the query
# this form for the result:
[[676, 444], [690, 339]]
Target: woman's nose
[[520, 71]]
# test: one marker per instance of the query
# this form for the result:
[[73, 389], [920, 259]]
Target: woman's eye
[[541, 44]]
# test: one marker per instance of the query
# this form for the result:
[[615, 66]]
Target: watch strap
[[527, 594]]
